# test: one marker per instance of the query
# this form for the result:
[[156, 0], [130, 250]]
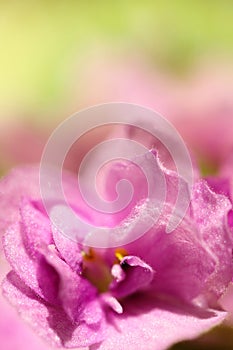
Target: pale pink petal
[[148, 324], [21, 245], [210, 211], [112, 302], [118, 273], [49, 322], [19, 260], [21, 182], [35, 226], [70, 251], [14, 333]]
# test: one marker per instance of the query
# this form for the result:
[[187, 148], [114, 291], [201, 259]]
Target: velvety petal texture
[[47, 282], [147, 294], [150, 324], [210, 211], [14, 333], [50, 322], [20, 182], [135, 275]]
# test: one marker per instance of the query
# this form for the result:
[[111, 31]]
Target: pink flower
[[148, 294]]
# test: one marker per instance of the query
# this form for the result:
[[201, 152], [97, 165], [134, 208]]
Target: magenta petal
[[35, 226], [70, 251], [18, 258], [230, 219], [138, 276], [148, 325], [210, 211], [198, 253], [20, 182], [77, 295], [219, 185], [226, 302], [21, 245], [49, 322], [35, 272], [178, 256]]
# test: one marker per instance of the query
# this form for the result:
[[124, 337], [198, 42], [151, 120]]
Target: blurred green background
[[44, 43], [57, 57]]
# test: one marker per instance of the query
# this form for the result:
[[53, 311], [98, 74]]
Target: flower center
[[97, 271]]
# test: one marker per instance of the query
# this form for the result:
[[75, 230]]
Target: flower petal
[[21, 245], [178, 256], [148, 324], [49, 322], [226, 300], [35, 226], [18, 258], [20, 182], [219, 185], [210, 211], [14, 333], [138, 276], [70, 251], [200, 247], [77, 295]]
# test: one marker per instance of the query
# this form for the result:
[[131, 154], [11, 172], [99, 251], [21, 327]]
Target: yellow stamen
[[120, 253]]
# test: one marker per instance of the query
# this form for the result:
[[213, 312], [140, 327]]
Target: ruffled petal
[[148, 324], [70, 251], [50, 322], [219, 185], [210, 211], [184, 255], [137, 276], [40, 268], [35, 227], [20, 182], [78, 297], [14, 333], [22, 242], [178, 256], [20, 261]]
